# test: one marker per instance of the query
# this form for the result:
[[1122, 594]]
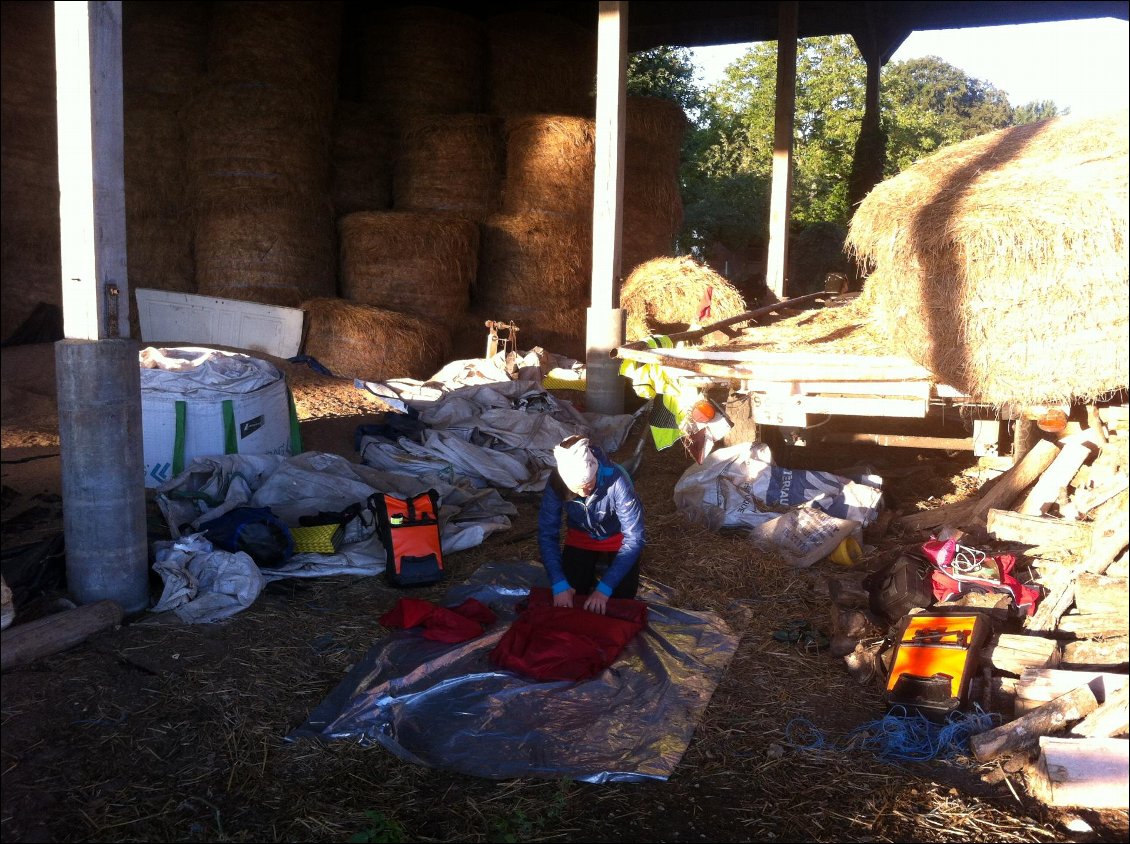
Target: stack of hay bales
[[258, 152], [163, 49], [372, 343], [540, 64], [30, 266], [1001, 263], [361, 176], [653, 206], [668, 295], [536, 258]]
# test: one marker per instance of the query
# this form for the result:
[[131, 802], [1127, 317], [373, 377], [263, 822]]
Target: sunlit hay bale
[[294, 45], [163, 45], [1001, 262], [559, 329], [30, 266], [414, 263], [539, 260], [540, 64], [549, 165], [813, 254], [361, 172], [450, 163], [154, 156], [654, 129], [250, 141], [423, 60], [668, 295], [359, 341], [275, 254]]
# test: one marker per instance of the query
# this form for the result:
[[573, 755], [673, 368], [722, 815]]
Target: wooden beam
[[1055, 479], [1089, 773], [1013, 482], [780, 200], [1009, 526], [25, 643], [92, 204]]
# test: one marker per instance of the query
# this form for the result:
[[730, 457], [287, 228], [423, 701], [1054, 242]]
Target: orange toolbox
[[934, 660]]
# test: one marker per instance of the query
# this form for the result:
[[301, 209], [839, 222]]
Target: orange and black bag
[[409, 531]]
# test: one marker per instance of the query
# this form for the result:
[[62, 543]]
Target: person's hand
[[564, 598], [597, 602]]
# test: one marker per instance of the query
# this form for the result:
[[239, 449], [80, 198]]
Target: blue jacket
[[612, 508]]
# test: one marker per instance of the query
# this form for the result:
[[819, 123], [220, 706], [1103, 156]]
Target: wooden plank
[[1009, 526], [1055, 479], [26, 643], [902, 441], [1023, 734], [901, 408], [951, 514], [1112, 718], [1096, 593], [1013, 482], [1088, 773], [1037, 686]]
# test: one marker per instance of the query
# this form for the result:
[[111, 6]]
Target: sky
[[1081, 65]]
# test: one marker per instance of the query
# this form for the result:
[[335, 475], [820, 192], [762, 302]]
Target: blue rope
[[899, 736]]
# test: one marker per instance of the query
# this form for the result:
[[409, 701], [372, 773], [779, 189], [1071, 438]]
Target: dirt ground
[[166, 732]]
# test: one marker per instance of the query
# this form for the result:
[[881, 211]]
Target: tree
[[668, 73], [1034, 111]]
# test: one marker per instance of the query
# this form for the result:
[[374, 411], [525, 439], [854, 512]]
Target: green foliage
[[1034, 112], [667, 73], [381, 830], [518, 826]]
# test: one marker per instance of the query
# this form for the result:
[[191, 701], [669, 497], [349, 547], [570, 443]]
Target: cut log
[[1060, 596], [1112, 625], [1037, 686], [1089, 773], [1013, 482], [1121, 566], [1055, 479], [1111, 655], [946, 514], [1023, 734], [1013, 653], [26, 643], [1008, 526], [1096, 593], [1112, 718], [1110, 531]]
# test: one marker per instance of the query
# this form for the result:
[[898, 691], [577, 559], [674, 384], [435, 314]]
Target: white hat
[[576, 464]]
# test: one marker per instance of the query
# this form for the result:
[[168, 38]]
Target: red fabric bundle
[[567, 643], [441, 624]]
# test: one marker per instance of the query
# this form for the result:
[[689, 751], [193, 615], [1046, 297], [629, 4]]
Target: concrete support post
[[604, 388]]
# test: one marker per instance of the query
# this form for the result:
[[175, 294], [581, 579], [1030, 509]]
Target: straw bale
[[419, 264], [558, 329], [540, 64], [361, 172], [255, 140], [163, 45], [279, 255], [450, 163], [159, 250], [654, 129], [294, 45], [534, 258], [424, 60], [359, 341], [653, 215], [154, 157], [550, 161], [664, 295], [27, 56], [1001, 262]]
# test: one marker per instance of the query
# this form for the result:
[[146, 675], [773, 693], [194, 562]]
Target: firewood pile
[[1057, 677]]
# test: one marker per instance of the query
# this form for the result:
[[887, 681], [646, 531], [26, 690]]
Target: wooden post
[[26, 643], [780, 201], [605, 327]]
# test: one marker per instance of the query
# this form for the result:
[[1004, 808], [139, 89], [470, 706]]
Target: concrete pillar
[[604, 388]]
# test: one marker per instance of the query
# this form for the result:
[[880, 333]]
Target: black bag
[[409, 531], [254, 530], [899, 587]]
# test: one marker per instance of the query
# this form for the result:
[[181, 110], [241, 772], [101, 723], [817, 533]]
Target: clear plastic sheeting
[[446, 706]]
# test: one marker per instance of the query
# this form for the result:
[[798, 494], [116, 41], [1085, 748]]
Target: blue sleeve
[[630, 513], [549, 538]]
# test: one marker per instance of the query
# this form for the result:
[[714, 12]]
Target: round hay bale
[[293, 45], [256, 141], [653, 215], [450, 163], [154, 154], [813, 254], [361, 177], [163, 46], [540, 64], [559, 329], [667, 295], [419, 264], [654, 129], [279, 255], [424, 60], [359, 341], [1001, 262], [534, 260], [550, 162]]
